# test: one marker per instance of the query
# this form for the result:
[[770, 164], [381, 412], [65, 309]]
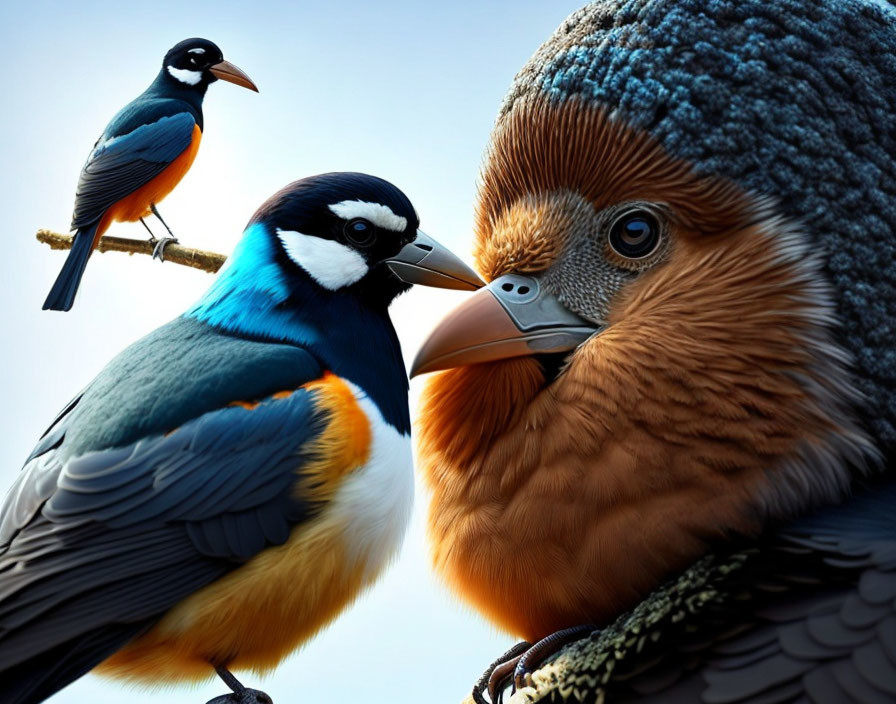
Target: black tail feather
[[43, 675], [62, 295]]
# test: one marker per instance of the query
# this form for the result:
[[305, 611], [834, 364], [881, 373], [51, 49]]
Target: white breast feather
[[375, 501]]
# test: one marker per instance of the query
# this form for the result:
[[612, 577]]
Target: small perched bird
[[230, 482], [142, 155], [670, 418]]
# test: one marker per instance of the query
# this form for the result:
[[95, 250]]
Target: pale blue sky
[[404, 90]]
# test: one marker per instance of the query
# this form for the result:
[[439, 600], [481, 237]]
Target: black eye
[[360, 232], [635, 234]]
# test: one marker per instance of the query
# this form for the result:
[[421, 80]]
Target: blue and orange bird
[[230, 482], [142, 155]]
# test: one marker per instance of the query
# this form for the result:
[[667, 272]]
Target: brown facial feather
[[540, 149], [715, 401], [531, 233]]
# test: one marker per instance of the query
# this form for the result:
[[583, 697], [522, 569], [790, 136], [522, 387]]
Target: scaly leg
[[241, 694], [152, 237]]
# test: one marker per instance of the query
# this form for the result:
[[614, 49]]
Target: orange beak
[[511, 317], [226, 71]]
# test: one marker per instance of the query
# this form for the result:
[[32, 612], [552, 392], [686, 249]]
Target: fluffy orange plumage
[[557, 502]]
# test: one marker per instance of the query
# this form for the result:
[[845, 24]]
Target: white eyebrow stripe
[[331, 264], [185, 75], [377, 213], [196, 51]]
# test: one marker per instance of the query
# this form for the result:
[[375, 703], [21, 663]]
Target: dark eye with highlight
[[360, 232], [635, 234]]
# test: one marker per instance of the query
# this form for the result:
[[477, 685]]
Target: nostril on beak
[[424, 247], [521, 290]]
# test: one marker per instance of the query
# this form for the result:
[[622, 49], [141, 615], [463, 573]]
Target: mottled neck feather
[[256, 296]]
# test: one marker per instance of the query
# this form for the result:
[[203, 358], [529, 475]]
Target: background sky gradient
[[407, 91]]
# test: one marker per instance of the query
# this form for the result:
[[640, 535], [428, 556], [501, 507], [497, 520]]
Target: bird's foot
[[240, 694], [247, 696], [515, 667], [158, 251], [497, 672]]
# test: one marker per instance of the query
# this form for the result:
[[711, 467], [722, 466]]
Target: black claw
[[488, 683], [158, 251], [535, 656]]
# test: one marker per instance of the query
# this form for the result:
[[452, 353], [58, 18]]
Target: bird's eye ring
[[360, 232], [635, 234]]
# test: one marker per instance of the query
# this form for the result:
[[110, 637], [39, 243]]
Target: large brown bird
[[672, 413]]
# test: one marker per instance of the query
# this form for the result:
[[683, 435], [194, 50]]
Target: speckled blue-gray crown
[[791, 99]]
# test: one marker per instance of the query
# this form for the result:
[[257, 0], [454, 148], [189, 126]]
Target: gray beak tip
[[425, 261]]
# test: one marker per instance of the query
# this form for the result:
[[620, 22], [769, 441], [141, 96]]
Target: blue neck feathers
[[167, 87], [255, 296]]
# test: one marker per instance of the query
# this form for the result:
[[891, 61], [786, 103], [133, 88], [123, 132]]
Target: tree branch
[[175, 253]]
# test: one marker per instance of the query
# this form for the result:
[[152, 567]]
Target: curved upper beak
[[425, 261], [512, 317], [226, 71]]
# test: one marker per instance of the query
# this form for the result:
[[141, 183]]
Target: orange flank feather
[[248, 405], [137, 205], [262, 611], [252, 405], [558, 502], [342, 446]]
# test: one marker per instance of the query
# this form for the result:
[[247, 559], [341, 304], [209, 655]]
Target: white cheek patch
[[377, 213], [331, 264], [184, 75]]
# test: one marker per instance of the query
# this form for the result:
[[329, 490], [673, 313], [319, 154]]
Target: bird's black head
[[340, 230], [195, 63]]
